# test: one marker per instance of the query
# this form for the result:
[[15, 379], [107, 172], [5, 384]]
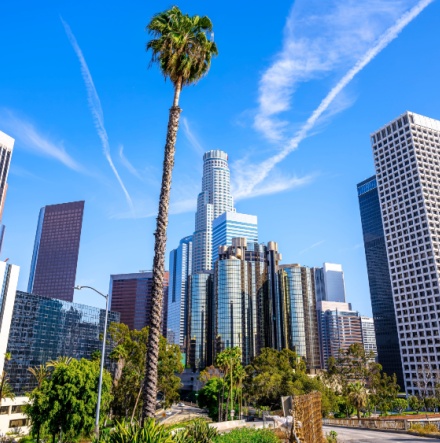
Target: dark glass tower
[[379, 279], [56, 248]]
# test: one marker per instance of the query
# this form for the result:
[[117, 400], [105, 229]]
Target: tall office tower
[[239, 280], [407, 162], [368, 335], [339, 327], [379, 279], [6, 147], [214, 200], [43, 329], [180, 270], [329, 282], [231, 225], [56, 248], [130, 295], [300, 322], [8, 287]]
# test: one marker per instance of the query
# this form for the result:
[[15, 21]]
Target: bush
[[248, 436], [197, 431], [425, 428]]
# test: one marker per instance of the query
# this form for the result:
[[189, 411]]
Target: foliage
[[126, 432], [5, 388], [357, 396], [129, 353], [415, 403], [400, 405], [424, 428], [209, 396], [332, 437], [247, 435], [197, 431], [65, 402]]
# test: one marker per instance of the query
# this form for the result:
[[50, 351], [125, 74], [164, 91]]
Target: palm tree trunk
[[150, 383]]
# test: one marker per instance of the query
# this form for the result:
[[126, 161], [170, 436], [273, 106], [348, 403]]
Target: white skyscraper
[[329, 282], [407, 162], [368, 335], [215, 199], [6, 147]]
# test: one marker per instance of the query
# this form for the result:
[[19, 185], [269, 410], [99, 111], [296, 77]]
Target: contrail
[[96, 109], [266, 166]]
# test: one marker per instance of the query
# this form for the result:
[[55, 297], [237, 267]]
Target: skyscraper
[[368, 335], [407, 162], [180, 270], [6, 147], [214, 200], [56, 249], [330, 284], [387, 339], [231, 225], [130, 295]]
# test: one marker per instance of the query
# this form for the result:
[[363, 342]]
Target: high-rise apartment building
[[407, 162], [131, 296], [300, 329], [381, 293], [56, 249], [368, 336], [6, 147], [231, 225], [339, 328], [180, 271], [329, 282], [214, 200]]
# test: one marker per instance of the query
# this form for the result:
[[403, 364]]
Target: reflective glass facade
[[43, 329], [382, 304], [6, 147]]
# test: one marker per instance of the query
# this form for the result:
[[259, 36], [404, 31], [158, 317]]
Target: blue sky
[[292, 97]]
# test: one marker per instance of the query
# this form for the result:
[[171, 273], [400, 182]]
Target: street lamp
[[101, 371]]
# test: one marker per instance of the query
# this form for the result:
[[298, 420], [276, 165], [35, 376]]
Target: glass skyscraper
[[387, 339], [214, 200], [180, 271], [56, 249], [6, 147], [330, 283]]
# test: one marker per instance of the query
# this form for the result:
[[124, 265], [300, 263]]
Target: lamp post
[[101, 371]]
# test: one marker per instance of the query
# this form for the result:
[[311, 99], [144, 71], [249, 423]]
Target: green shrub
[[197, 431], [424, 428], [245, 435]]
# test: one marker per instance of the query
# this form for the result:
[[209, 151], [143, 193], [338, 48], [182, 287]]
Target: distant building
[[339, 328], [130, 295], [44, 328], [379, 279], [368, 335], [6, 147], [330, 284], [300, 321], [56, 249], [231, 225], [180, 271]]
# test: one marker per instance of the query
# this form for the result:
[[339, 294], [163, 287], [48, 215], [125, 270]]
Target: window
[[4, 410]]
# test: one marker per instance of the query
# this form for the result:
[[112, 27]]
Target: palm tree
[[357, 396], [183, 52], [40, 373], [5, 388]]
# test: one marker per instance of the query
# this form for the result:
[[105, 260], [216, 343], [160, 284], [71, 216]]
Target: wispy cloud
[[315, 245], [96, 110], [34, 140], [127, 163], [347, 29], [191, 137]]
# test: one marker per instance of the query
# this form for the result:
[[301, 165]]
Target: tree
[[357, 396], [65, 402], [183, 51], [415, 403], [5, 388], [400, 405], [210, 395], [40, 373]]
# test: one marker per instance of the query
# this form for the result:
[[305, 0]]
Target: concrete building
[[407, 162], [379, 280], [180, 271], [6, 148], [329, 282], [214, 200], [56, 249], [130, 295], [368, 335], [231, 225]]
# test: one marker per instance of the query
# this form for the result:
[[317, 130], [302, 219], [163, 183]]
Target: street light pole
[[101, 371]]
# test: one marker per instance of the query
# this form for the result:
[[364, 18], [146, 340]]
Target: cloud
[[127, 163], [193, 140], [315, 245], [30, 138], [96, 110], [303, 59]]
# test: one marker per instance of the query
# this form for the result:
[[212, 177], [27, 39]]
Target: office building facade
[[43, 328], [56, 249], [180, 271], [381, 293], [214, 200], [131, 296], [407, 161], [6, 147], [369, 336], [231, 225], [330, 283]]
